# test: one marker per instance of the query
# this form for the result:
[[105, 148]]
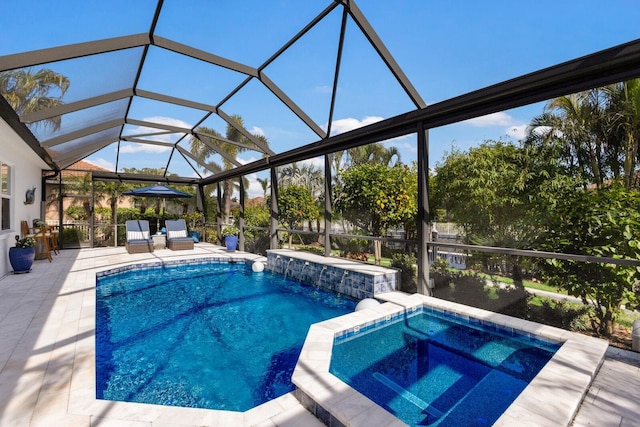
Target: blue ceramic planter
[[21, 259], [231, 242], [195, 236]]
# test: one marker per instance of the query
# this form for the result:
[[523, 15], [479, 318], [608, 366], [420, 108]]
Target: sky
[[445, 49]]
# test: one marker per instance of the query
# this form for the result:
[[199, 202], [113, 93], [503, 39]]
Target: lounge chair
[[177, 237], [138, 237]]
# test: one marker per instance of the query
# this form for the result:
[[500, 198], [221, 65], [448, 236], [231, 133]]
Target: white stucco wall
[[26, 170]]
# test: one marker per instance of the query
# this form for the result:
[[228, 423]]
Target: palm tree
[[624, 110], [265, 186], [220, 144], [596, 131], [375, 153], [574, 121], [28, 91]]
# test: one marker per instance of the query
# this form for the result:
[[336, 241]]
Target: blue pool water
[[431, 369], [212, 335]]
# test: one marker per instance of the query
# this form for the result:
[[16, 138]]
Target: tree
[[624, 110], [232, 144], [375, 197], [296, 205], [501, 194], [596, 131], [499, 189], [264, 183], [256, 241], [78, 186], [309, 176], [373, 153], [603, 222], [28, 91]]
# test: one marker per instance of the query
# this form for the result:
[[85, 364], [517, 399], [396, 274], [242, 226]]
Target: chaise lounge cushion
[[177, 238], [138, 238]]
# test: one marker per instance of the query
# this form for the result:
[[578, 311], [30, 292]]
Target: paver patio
[[47, 373]]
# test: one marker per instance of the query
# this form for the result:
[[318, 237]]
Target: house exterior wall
[[26, 172]]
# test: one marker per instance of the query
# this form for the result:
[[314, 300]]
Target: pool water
[[431, 369], [213, 335]]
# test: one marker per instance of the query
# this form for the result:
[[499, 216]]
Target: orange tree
[[376, 197]]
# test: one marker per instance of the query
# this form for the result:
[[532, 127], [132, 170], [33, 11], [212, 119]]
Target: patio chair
[[138, 237], [177, 237]]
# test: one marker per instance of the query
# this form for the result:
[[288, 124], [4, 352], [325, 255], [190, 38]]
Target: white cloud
[[100, 162], [493, 119], [517, 132], [257, 131], [316, 161], [345, 125], [412, 148], [245, 161], [168, 121], [514, 128], [255, 188], [169, 137], [130, 147]]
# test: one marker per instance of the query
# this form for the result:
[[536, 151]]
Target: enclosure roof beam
[[61, 109], [608, 66], [136, 177], [70, 51]]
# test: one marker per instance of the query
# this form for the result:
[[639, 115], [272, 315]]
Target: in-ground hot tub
[[548, 397], [431, 368]]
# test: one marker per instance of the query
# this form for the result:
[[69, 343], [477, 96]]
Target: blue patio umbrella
[[159, 192]]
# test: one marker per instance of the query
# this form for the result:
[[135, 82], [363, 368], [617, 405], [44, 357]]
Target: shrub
[[193, 219], [102, 214], [230, 230], [211, 235], [125, 214], [560, 314], [72, 235], [76, 212], [257, 244], [25, 242], [353, 246], [473, 290], [406, 264]]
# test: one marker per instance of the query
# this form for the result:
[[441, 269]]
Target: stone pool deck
[[47, 375]]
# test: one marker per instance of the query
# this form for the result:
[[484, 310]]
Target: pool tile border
[[552, 397], [169, 263]]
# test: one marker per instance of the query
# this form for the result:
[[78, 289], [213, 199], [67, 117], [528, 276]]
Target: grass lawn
[[527, 283], [385, 262]]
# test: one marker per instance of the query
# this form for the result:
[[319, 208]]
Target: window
[[5, 196]]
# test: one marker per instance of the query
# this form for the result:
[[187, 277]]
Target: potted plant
[[230, 233], [22, 255], [193, 219]]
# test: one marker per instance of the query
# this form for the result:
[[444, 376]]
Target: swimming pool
[[551, 398], [428, 368], [206, 335]]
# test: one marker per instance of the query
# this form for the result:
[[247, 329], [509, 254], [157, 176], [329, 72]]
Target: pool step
[[407, 395]]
